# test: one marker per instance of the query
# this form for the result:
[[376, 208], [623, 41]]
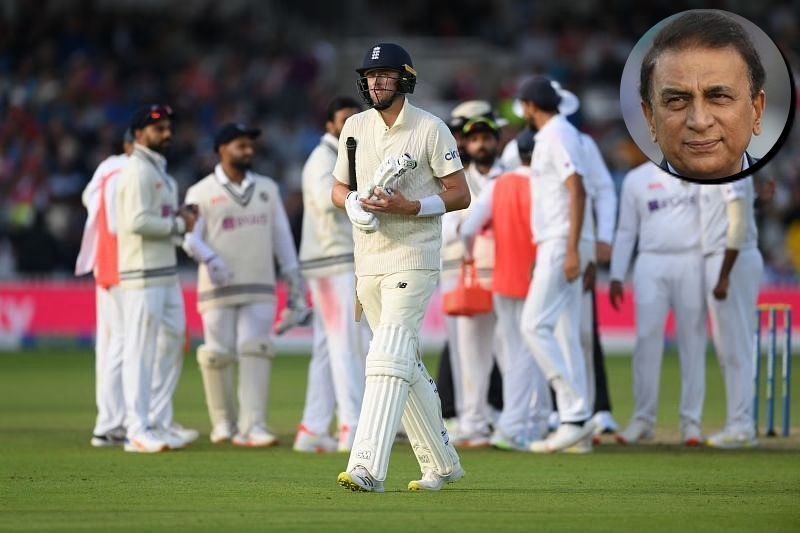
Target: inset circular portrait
[[707, 96]]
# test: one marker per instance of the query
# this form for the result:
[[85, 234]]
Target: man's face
[[382, 84], [238, 153], [481, 147], [701, 113], [334, 127], [156, 136]]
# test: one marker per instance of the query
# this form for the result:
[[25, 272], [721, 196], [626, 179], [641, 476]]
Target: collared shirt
[[327, 244], [660, 211], [238, 188], [557, 155], [401, 242]]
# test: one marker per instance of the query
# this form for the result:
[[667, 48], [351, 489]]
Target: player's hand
[[616, 294], [589, 277], [603, 251], [572, 265], [366, 222], [390, 203], [218, 271], [721, 290], [189, 215]]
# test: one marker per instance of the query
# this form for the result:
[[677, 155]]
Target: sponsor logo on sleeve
[[451, 155]]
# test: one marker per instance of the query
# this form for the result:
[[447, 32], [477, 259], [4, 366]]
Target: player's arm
[[479, 216], [297, 311], [605, 207], [577, 205], [624, 242], [737, 231], [142, 206]]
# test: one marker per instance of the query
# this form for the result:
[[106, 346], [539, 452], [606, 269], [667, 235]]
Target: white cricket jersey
[[714, 216], [601, 196], [557, 155], [147, 202], [108, 170], [401, 242], [659, 210], [326, 247], [247, 227], [483, 247]]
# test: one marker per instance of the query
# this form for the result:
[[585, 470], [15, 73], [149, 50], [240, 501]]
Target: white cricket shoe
[[432, 481], [732, 440], [501, 441], [637, 431], [581, 447], [346, 437], [257, 438], [310, 442], [691, 435], [146, 442], [565, 436], [115, 437], [223, 431], [359, 480], [604, 423], [187, 435], [172, 440]]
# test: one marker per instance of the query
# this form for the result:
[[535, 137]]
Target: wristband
[[431, 206]]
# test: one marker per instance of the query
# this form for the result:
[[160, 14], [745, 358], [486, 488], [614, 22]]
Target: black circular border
[[770, 153]]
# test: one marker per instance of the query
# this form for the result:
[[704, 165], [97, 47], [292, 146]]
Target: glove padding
[[297, 312], [363, 220], [218, 271], [390, 170]]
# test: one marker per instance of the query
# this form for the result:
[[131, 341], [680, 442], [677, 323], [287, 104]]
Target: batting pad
[[423, 423], [390, 364], [217, 371], [384, 400], [255, 368]]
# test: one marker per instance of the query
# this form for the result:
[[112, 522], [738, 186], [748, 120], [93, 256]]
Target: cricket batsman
[[407, 174]]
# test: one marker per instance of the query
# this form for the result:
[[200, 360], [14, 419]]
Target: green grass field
[[51, 479]]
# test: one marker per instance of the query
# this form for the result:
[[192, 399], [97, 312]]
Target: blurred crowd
[[72, 72]]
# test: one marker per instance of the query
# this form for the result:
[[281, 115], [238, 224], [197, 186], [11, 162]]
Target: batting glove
[[218, 271], [363, 220]]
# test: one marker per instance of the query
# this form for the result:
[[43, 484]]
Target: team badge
[[264, 196]]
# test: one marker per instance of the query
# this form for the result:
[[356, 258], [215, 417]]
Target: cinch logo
[[167, 211], [376, 52], [450, 156]]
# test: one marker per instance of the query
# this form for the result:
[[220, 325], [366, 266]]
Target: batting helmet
[[387, 56]]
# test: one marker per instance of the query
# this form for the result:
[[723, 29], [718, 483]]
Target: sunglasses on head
[[157, 112]]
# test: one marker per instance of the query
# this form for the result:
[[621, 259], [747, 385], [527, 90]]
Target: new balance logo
[[376, 52], [402, 285]]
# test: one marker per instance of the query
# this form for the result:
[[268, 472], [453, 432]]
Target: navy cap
[[481, 124], [232, 131], [150, 114], [540, 91]]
